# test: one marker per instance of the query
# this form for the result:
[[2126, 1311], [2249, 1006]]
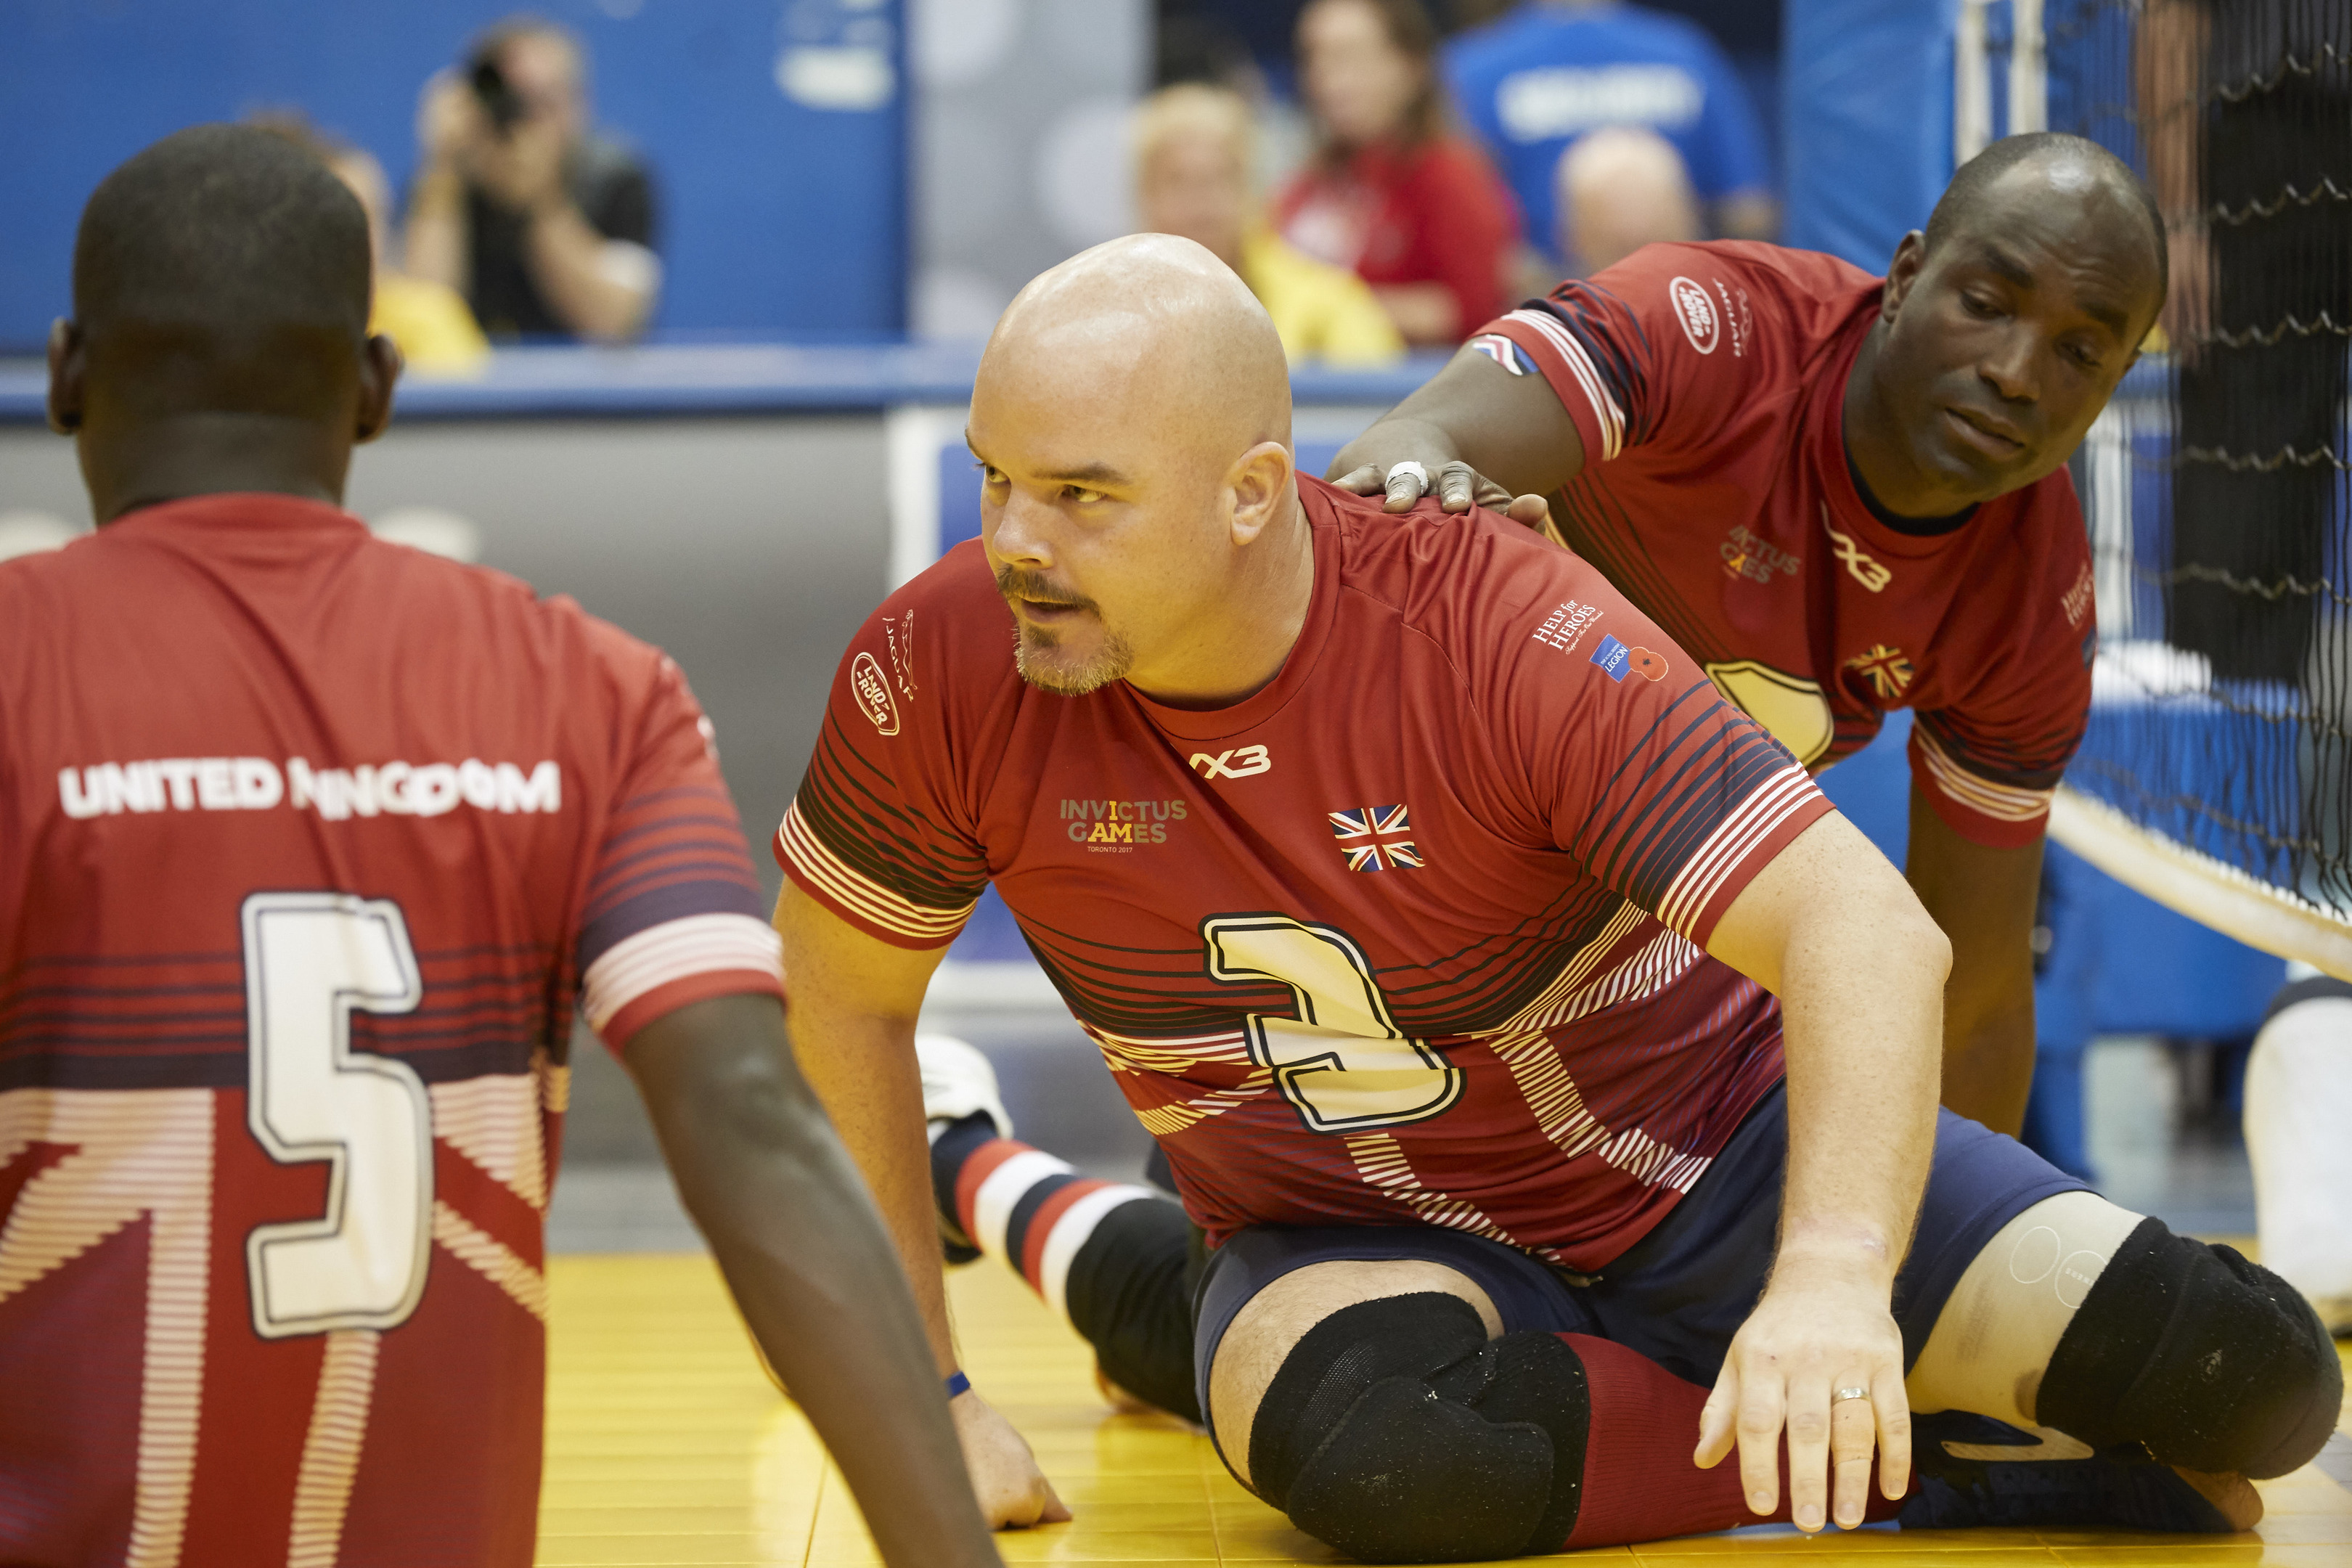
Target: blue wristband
[[958, 1383]]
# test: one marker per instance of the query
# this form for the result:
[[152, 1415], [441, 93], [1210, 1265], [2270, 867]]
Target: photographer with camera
[[545, 226]]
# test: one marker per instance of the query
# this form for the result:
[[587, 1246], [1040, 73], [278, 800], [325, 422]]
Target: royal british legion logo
[[1376, 838], [1617, 660]]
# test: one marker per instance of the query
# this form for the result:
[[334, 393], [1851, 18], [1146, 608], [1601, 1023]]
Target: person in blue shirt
[[1537, 79]]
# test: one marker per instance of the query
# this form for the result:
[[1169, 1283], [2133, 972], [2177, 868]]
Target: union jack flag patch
[[1376, 838], [1504, 353]]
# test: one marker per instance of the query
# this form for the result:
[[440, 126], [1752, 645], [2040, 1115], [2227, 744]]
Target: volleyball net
[[2216, 775]]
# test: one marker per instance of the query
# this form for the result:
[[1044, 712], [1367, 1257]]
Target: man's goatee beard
[[1034, 656]]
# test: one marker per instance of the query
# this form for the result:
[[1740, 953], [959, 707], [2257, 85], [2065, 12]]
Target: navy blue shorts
[[1681, 1292]]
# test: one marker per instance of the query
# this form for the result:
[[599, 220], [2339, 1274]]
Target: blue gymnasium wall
[[775, 218], [1866, 122]]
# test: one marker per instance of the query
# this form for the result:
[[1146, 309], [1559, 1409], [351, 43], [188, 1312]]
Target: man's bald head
[[1138, 506], [2006, 327], [1150, 327], [2051, 169]]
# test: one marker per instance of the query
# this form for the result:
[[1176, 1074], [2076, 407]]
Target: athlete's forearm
[[863, 1070], [853, 1003], [1988, 1052], [1984, 899], [1862, 992], [1510, 429], [809, 1261]]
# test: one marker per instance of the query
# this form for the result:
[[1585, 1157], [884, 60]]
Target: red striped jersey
[[310, 847], [1414, 933], [1708, 383]]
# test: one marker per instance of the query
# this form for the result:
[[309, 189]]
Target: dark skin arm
[[806, 1253], [1486, 435], [1984, 899]]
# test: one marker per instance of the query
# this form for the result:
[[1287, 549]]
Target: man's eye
[[1978, 305], [1082, 495], [988, 476]]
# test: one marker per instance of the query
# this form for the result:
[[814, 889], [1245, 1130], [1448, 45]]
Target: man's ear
[[1259, 482], [68, 375], [380, 368], [1902, 272]]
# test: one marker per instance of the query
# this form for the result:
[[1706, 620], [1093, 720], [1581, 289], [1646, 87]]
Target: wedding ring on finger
[[1408, 469], [1845, 1393]]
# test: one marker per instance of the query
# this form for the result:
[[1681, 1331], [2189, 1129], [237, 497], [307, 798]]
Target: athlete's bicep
[[834, 968], [1828, 875]]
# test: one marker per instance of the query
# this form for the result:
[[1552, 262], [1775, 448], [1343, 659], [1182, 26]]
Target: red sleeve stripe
[[1561, 341], [678, 949], [2003, 803], [1728, 847], [827, 873]]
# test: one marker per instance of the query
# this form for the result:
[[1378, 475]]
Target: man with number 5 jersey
[[1531, 1041], [310, 847]]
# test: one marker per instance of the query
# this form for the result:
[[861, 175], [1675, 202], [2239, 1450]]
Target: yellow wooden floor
[[666, 1445]]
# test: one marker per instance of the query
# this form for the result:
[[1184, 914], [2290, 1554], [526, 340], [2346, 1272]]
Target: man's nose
[[2011, 368], [1021, 531]]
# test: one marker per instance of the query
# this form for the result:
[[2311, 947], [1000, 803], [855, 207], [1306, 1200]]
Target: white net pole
[[2028, 82], [1971, 84]]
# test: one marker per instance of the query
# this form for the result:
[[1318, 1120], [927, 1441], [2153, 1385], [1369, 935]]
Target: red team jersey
[[1411, 935], [1708, 383], [308, 844]]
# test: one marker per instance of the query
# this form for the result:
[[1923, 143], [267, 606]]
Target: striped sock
[[1023, 1205]]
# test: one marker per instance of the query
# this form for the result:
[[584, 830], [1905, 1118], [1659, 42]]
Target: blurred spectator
[[1412, 210], [1619, 189], [545, 226], [1192, 161], [1554, 69], [429, 321]]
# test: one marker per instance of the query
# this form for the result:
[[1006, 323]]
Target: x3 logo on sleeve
[[1241, 763]]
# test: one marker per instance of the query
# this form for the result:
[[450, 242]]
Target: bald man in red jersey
[[1531, 1043]]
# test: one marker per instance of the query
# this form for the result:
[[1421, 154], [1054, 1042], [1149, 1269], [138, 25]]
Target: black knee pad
[[1397, 1432], [2206, 1360]]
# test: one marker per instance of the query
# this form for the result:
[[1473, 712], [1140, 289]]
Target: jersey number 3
[[310, 961], [1341, 1061]]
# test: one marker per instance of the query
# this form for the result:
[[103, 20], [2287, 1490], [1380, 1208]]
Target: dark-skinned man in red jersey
[[1532, 1045], [1846, 495], [311, 848]]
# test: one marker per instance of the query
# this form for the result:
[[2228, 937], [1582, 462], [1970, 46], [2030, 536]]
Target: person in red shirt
[[312, 846], [1845, 494], [1532, 1042], [1391, 193]]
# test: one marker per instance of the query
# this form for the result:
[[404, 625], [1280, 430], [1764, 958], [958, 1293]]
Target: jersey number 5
[[1341, 1061], [310, 961]]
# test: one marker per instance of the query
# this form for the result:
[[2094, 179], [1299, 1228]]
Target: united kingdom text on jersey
[[1414, 935], [307, 844], [1707, 384]]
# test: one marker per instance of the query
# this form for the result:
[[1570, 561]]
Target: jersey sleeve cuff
[[878, 912], [665, 967], [1746, 842], [1980, 810], [1561, 359]]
